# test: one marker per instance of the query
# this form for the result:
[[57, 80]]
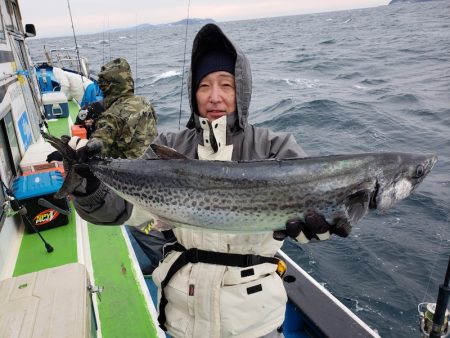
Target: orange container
[[59, 168], [79, 131]]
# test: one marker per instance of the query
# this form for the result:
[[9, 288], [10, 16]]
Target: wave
[[328, 42], [400, 98], [163, 76], [302, 83], [373, 81], [348, 76]]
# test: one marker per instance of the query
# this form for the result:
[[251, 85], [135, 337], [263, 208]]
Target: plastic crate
[[35, 159], [50, 303], [80, 131], [36, 192], [55, 105]]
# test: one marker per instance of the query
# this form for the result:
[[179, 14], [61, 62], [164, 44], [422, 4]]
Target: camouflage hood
[[115, 80], [211, 38]]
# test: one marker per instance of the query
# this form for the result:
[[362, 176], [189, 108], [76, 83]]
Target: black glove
[[85, 149], [54, 156], [313, 228], [87, 182], [90, 183]]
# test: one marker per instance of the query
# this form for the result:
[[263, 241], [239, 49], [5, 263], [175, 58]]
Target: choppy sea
[[365, 80]]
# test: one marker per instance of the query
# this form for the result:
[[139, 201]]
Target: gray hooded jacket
[[249, 142]]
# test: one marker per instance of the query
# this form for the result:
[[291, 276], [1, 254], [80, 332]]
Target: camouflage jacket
[[128, 125]]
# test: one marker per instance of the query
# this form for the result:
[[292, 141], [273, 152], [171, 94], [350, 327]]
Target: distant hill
[[408, 1], [193, 21]]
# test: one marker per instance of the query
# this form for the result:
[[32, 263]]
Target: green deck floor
[[59, 127], [121, 297], [34, 257]]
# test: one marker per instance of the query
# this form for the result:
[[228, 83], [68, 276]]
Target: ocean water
[[375, 79]]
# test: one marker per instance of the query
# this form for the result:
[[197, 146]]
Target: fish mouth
[[373, 198], [432, 162]]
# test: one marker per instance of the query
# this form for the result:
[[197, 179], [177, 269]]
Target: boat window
[[10, 145], [2, 213], [13, 10], [2, 29], [29, 96], [6, 172]]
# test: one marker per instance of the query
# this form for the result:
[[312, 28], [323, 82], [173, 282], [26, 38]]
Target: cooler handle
[[45, 203]]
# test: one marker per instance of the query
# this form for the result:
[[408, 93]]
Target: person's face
[[216, 95]]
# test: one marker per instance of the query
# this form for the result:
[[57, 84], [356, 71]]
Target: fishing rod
[[80, 67], [12, 206], [136, 63], [74, 37], [434, 317], [184, 62]]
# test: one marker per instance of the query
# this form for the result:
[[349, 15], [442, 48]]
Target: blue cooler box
[[55, 105], [36, 192]]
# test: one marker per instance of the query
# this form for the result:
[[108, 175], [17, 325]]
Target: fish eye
[[419, 170]]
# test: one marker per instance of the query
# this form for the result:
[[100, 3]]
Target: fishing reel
[[434, 317], [11, 206], [426, 314]]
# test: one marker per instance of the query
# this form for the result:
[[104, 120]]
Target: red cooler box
[[36, 192], [35, 159]]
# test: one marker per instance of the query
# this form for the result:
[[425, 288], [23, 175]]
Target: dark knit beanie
[[210, 62]]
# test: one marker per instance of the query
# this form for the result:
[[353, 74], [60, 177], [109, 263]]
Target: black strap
[[202, 256]]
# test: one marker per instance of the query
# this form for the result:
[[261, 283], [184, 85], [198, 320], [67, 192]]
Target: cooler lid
[[37, 153], [38, 184], [54, 97]]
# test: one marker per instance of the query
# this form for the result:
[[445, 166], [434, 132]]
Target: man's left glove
[[54, 156], [82, 114], [85, 149], [313, 228]]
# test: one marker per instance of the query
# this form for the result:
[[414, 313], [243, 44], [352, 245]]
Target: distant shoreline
[[393, 2], [193, 21]]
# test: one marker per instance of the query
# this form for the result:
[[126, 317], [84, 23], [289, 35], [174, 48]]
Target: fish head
[[402, 174]]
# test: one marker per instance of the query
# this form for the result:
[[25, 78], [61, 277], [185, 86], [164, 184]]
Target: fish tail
[[71, 182], [72, 179]]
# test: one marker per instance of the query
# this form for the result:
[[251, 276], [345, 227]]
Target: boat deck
[[124, 307]]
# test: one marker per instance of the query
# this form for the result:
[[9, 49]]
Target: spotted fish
[[255, 196]]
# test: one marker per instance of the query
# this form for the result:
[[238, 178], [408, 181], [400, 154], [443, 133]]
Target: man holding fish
[[215, 283], [226, 297]]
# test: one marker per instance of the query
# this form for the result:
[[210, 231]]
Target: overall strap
[[209, 257]]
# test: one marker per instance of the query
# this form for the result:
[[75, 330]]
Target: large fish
[[260, 195]]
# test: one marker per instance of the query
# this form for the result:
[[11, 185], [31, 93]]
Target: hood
[[210, 37], [115, 81]]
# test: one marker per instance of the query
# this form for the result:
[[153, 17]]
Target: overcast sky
[[52, 18]]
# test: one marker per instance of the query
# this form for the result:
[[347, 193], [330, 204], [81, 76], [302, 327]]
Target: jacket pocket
[[252, 309]]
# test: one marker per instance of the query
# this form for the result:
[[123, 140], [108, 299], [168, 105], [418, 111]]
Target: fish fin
[[72, 180], [166, 153], [358, 205], [62, 147]]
